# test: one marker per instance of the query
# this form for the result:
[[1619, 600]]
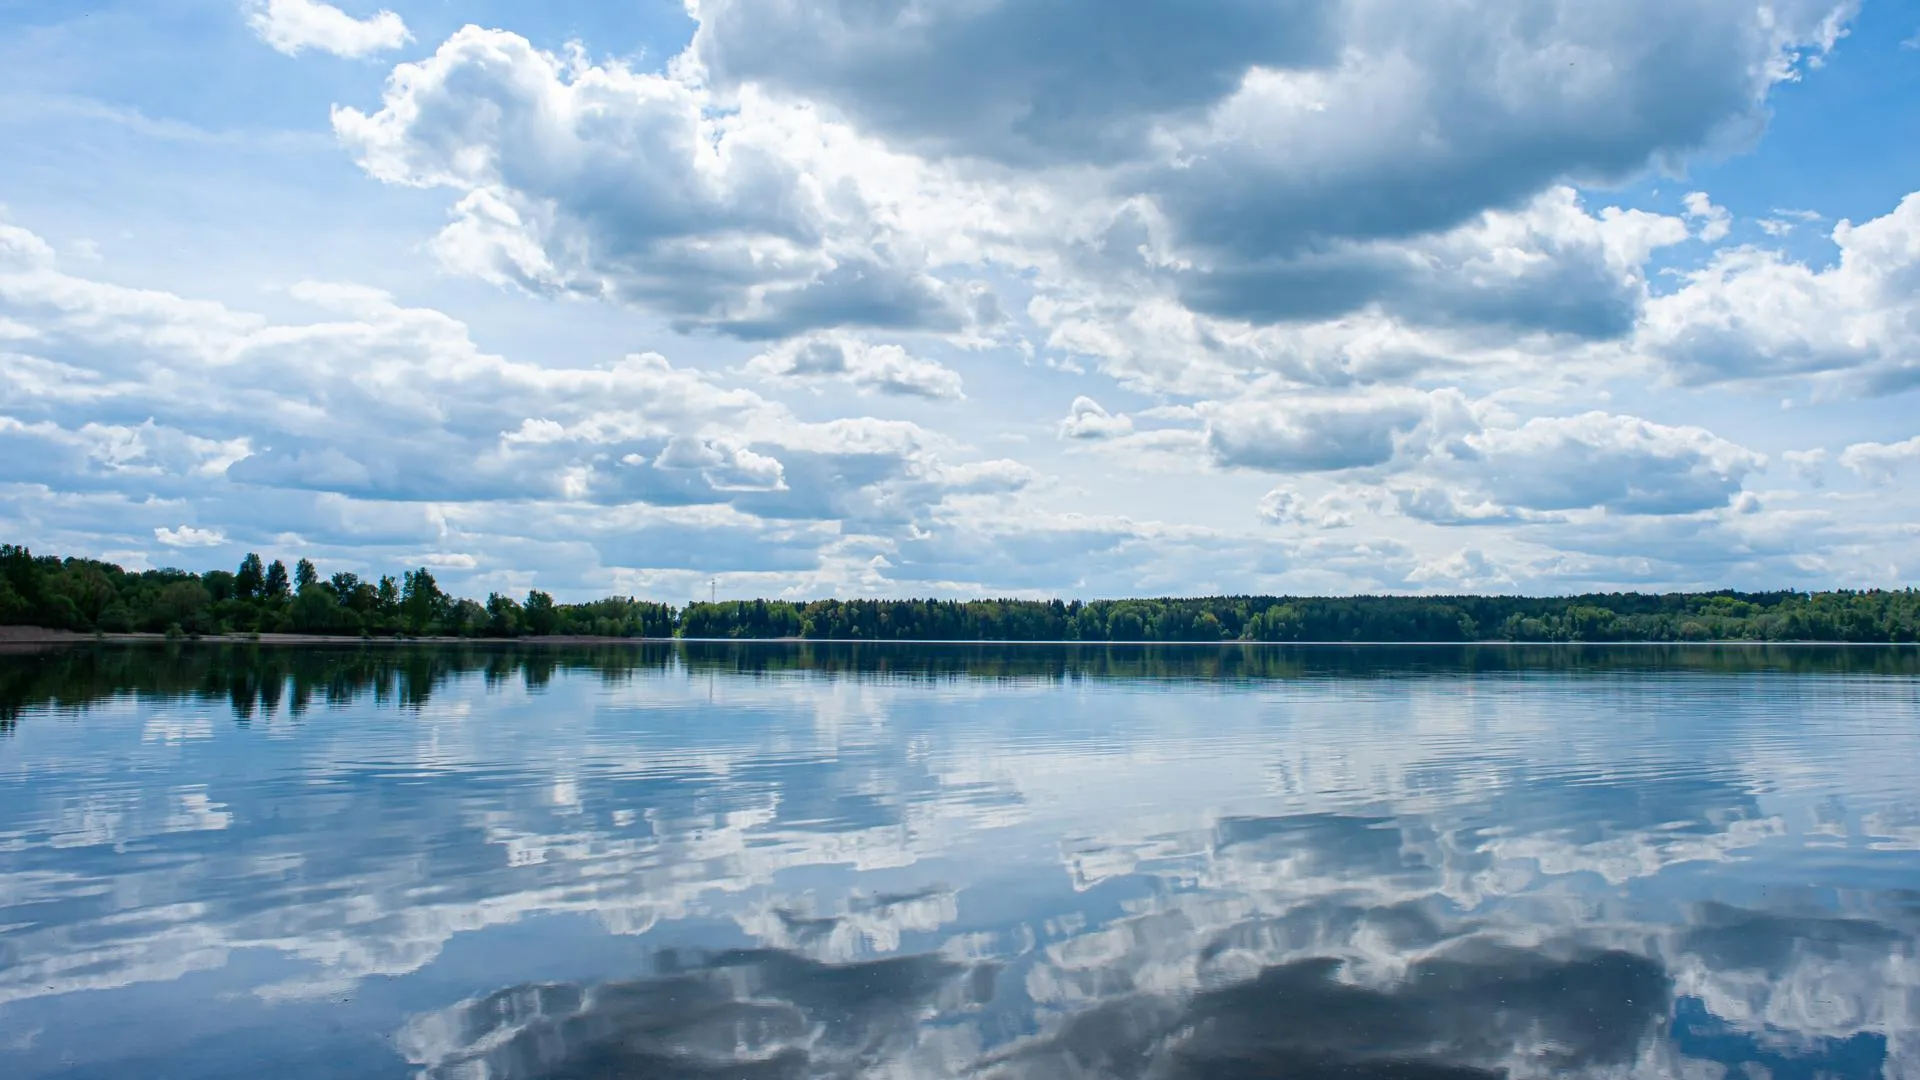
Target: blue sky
[[898, 297]]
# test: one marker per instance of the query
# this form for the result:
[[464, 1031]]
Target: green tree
[[13, 607], [87, 589], [421, 601], [467, 619], [276, 584], [183, 604], [88, 594], [251, 578], [503, 616], [315, 612], [541, 615]]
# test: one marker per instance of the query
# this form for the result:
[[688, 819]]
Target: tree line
[[89, 595]]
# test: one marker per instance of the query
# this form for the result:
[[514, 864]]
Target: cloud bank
[[1221, 276]]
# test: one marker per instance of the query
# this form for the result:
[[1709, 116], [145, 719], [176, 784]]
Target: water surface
[[929, 861]]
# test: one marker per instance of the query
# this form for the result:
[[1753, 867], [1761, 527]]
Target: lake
[[917, 861]]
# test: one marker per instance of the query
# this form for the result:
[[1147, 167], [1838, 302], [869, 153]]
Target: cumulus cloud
[[1087, 419], [727, 466], [1071, 81], [1550, 267], [293, 26], [600, 181], [1275, 92], [1881, 462], [1401, 136], [1622, 464], [1809, 465], [1754, 314], [1713, 221], [1283, 507], [884, 369], [1362, 247], [1330, 434], [186, 536], [1552, 285], [1539, 472], [150, 456], [791, 171], [1467, 570], [269, 428]]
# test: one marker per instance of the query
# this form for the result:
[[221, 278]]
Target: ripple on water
[[929, 861]]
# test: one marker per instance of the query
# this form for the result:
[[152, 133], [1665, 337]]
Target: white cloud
[[1283, 507], [187, 536], [292, 26], [1549, 267], [1324, 110], [1752, 314], [1301, 433], [604, 182], [1402, 135], [1714, 221], [1087, 419], [274, 427], [1619, 463], [727, 466], [1880, 462], [445, 560], [1512, 294], [771, 190], [1359, 246], [1467, 570], [1809, 465], [884, 369]]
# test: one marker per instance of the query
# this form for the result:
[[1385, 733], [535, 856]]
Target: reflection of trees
[[258, 679], [1250, 662]]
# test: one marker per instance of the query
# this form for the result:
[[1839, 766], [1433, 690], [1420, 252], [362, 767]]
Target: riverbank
[[31, 638]]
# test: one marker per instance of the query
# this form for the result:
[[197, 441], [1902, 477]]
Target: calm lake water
[[776, 861]]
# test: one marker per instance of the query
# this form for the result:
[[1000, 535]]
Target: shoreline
[[16, 638]]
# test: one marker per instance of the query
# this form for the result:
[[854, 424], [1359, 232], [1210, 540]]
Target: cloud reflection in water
[[1002, 863]]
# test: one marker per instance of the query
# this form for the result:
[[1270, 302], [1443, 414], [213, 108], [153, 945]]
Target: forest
[[91, 596]]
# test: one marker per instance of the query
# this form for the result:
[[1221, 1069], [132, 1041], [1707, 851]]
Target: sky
[[1078, 298]]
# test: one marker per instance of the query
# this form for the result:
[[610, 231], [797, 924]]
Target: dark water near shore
[[772, 861]]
